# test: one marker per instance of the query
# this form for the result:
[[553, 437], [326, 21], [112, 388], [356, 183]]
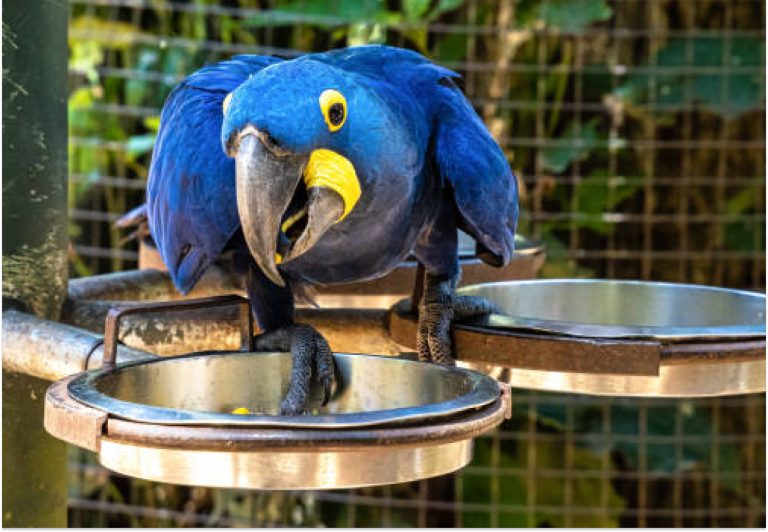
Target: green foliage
[[595, 195], [452, 47], [708, 71], [741, 235], [568, 16], [359, 22], [139, 144], [324, 14], [513, 489], [575, 144], [625, 420]]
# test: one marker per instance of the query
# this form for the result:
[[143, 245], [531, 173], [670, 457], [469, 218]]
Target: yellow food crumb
[[241, 410]]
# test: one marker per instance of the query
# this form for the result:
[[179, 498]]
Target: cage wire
[[636, 129]]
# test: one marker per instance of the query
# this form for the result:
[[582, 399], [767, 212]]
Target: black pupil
[[336, 114]]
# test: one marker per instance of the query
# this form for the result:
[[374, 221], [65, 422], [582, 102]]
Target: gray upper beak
[[266, 183]]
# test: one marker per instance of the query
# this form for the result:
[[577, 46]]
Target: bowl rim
[[484, 390], [590, 330]]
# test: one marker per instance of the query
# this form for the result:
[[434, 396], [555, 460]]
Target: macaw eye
[[334, 108], [336, 114], [225, 105]]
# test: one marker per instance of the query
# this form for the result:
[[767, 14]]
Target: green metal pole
[[34, 244]]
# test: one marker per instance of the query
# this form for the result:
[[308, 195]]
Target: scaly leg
[[311, 357], [439, 307]]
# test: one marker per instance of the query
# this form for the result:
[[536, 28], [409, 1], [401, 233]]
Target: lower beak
[[268, 184]]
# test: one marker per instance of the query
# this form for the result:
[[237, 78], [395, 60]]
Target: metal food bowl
[[204, 389], [625, 309], [603, 337], [170, 420]]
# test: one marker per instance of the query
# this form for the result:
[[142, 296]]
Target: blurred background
[[636, 129]]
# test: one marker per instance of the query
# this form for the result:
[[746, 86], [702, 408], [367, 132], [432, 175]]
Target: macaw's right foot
[[311, 356]]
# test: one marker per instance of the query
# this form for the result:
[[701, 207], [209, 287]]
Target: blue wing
[[191, 197], [484, 187]]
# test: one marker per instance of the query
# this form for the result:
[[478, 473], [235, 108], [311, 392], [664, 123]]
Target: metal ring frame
[[112, 326]]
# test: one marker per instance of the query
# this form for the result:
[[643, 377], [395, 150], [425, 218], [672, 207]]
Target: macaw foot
[[439, 307], [312, 356]]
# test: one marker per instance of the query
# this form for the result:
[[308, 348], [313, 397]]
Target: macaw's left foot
[[312, 356], [439, 307]]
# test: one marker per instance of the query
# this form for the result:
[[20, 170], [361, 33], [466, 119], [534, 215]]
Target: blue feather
[[191, 188], [425, 161]]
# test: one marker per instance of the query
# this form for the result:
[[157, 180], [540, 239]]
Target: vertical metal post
[[34, 244]]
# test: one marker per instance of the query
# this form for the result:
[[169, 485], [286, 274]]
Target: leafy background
[[636, 129]]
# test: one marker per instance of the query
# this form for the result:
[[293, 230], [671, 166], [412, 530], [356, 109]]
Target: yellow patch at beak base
[[327, 168]]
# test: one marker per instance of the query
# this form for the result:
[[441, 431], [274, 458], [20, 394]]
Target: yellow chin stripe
[[327, 168]]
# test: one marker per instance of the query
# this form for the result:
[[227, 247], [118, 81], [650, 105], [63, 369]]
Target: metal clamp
[[112, 326], [506, 397]]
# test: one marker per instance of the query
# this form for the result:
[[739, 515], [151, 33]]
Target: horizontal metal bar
[[119, 109], [115, 315], [93, 216], [105, 253], [176, 516], [52, 351], [168, 41], [109, 181], [413, 504], [540, 472], [90, 300], [347, 330], [619, 217], [143, 285], [528, 142], [437, 28], [633, 254]]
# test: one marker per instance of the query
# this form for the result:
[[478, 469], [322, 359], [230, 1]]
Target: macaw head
[[290, 128]]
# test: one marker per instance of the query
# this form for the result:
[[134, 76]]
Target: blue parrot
[[328, 168]]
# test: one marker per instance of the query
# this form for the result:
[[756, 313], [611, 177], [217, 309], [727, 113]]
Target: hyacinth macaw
[[328, 168]]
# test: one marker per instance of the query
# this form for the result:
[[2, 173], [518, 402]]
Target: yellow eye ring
[[334, 108], [225, 105]]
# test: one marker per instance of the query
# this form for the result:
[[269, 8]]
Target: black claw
[[311, 355], [326, 391]]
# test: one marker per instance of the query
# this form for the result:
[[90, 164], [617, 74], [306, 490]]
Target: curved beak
[[265, 185], [286, 202]]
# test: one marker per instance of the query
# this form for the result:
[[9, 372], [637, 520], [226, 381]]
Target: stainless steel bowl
[[204, 389], [624, 309], [624, 338], [388, 421]]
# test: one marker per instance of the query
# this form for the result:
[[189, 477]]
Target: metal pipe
[[347, 330], [51, 351], [156, 285], [90, 300]]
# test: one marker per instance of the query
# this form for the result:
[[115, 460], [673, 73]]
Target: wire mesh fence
[[636, 129]]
